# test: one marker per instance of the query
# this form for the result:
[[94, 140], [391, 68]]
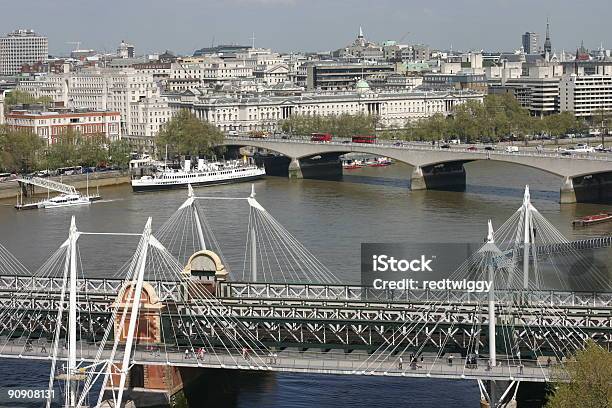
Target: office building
[[585, 95], [21, 47], [329, 75], [530, 43]]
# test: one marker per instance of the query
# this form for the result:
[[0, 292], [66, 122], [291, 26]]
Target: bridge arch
[[443, 168]]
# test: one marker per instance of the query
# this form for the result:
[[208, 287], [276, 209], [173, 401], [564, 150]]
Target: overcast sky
[[311, 25]]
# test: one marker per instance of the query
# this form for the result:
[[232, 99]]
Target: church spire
[[547, 43], [360, 32]]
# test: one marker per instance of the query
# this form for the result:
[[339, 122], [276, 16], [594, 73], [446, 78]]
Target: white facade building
[[394, 109], [21, 47], [585, 95], [97, 89], [272, 75], [148, 116]]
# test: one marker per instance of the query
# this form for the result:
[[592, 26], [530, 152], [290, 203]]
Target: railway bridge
[[149, 330]]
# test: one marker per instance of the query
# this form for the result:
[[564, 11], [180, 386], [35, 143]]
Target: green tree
[[18, 97], [186, 134], [91, 150], [590, 383], [19, 149], [63, 152], [345, 125], [119, 153]]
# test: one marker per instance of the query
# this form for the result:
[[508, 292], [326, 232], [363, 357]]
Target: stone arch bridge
[[586, 178]]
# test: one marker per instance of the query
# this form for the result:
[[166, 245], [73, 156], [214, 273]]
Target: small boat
[[381, 162], [65, 200], [352, 164], [592, 219]]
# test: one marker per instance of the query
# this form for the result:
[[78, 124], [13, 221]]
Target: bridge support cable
[[402, 335], [565, 341], [271, 253], [198, 321], [9, 265]]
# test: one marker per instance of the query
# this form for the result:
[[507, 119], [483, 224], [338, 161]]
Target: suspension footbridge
[[176, 305]]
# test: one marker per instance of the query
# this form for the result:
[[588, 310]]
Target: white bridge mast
[[491, 301], [71, 384]]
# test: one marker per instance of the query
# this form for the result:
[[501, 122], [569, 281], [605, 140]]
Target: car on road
[[472, 148], [511, 149], [583, 148], [489, 148], [445, 146]]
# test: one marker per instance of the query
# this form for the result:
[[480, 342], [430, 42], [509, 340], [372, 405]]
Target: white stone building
[[394, 109], [97, 89], [272, 75], [585, 95], [21, 47], [148, 116]]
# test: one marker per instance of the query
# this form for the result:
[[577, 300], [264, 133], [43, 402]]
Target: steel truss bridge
[[325, 328], [327, 317]]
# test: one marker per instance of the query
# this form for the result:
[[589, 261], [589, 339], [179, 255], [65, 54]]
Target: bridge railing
[[174, 290], [334, 362], [364, 293], [408, 146]]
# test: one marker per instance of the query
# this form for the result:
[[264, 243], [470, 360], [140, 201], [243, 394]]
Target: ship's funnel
[[187, 164], [200, 164]]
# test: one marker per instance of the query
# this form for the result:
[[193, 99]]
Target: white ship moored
[[65, 200], [206, 173]]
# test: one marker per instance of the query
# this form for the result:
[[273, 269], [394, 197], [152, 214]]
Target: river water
[[332, 219]]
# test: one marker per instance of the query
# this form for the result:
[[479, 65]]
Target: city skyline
[[293, 25]]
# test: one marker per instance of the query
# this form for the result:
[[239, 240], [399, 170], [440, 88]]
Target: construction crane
[[403, 37], [77, 43]]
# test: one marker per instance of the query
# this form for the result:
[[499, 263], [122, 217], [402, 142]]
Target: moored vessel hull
[[142, 187]]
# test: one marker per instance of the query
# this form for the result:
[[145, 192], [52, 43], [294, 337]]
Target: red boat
[[592, 219]]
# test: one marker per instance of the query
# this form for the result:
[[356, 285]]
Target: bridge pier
[[295, 170], [443, 176], [417, 180], [593, 188], [567, 192]]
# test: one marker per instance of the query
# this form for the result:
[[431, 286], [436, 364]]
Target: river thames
[[332, 219]]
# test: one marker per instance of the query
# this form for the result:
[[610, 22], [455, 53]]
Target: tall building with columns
[[246, 113]]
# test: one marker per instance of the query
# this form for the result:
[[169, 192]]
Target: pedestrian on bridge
[[450, 359], [400, 363], [186, 354]]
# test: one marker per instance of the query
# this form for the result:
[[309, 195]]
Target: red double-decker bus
[[364, 139], [321, 137]]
